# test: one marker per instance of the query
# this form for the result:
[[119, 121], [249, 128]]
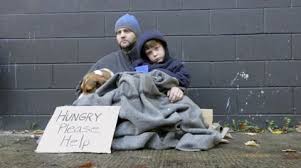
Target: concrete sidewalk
[[17, 151]]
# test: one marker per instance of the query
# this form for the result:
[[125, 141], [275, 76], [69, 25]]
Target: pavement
[[17, 151]]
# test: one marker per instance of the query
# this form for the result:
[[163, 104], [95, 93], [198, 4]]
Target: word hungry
[[67, 116]]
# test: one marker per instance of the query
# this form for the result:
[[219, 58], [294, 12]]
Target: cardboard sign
[[80, 129]]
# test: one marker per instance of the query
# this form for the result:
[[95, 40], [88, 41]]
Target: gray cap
[[128, 21]]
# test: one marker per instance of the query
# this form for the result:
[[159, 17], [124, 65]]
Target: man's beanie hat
[[128, 21]]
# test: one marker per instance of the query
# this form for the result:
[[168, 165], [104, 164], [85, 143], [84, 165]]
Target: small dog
[[94, 80]]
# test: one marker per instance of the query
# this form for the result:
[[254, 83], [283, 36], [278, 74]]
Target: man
[[127, 30]]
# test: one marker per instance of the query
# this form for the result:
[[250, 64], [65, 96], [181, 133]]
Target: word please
[[67, 116], [67, 129]]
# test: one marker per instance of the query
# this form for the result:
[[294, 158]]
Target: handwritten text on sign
[[80, 129]]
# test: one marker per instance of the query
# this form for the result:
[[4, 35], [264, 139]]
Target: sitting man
[[127, 30]]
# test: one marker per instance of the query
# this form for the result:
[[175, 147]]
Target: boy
[[155, 55]]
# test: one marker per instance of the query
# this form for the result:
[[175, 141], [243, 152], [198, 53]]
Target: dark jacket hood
[[151, 35]]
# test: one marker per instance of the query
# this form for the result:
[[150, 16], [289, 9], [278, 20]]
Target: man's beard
[[128, 47]]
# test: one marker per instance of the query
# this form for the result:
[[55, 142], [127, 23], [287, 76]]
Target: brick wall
[[244, 56]]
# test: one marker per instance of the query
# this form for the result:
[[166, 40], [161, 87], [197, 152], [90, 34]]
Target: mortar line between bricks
[[219, 61], [190, 88], [28, 115], [170, 35], [293, 100], [236, 56], [16, 79], [130, 5], [52, 77], [264, 73], [291, 46], [211, 72], [263, 19], [53, 63], [157, 23], [242, 87], [38, 89], [217, 115], [144, 10], [181, 5], [243, 61], [237, 104], [210, 21], [77, 53], [104, 25], [259, 115]]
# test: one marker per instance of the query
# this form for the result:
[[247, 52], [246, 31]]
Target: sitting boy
[[154, 54]]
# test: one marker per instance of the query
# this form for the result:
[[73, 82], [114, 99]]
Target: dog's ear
[[106, 75], [88, 83], [82, 86], [90, 87], [100, 80], [83, 83]]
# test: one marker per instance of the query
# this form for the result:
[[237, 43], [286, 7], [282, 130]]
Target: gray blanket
[[147, 119]]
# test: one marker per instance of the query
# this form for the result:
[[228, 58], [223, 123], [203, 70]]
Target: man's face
[[125, 38], [156, 54]]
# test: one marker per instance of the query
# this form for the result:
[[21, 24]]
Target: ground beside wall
[[18, 151], [244, 56]]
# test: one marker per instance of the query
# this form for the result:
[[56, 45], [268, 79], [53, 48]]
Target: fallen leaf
[[250, 133], [289, 150], [140, 166], [291, 156], [224, 131], [251, 143], [228, 136], [7, 132], [225, 141], [36, 132], [276, 131], [88, 164], [298, 128]]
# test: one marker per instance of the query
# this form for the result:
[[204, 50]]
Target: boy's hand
[[175, 94]]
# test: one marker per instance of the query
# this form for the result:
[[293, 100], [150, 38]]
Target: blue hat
[[128, 21]]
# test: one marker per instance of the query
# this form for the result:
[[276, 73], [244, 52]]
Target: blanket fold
[[147, 119]]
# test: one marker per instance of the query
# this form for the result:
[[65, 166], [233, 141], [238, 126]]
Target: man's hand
[[175, 94]]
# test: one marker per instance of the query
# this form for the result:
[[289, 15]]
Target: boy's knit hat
[[151, 35], [128, 21]]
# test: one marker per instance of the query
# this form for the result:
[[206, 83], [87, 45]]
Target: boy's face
[[125, 38], [156, 54]]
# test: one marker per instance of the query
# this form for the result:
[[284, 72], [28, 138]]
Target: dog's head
[[94, 80]]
